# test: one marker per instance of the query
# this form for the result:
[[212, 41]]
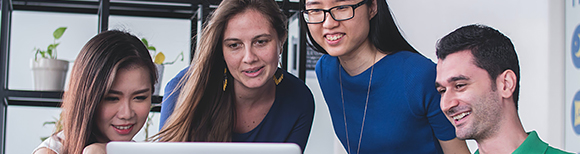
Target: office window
[[170, 36], [32, 29]]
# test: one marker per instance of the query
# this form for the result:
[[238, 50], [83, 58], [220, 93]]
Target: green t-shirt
[[533, 145]]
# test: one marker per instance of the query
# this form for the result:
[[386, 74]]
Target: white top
[[53, 143]]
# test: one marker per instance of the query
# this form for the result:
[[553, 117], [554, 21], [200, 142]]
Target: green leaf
[[49, 123], [37, 52], [43, 54], [151, 48], [50, 49], [145, 42], [176, 58], [43, 138], [58, 32], [51, 46]]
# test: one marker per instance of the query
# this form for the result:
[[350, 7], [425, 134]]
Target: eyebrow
[[136, 92], [255, 37], [317, 2], [262, 35], [231, 39], [453, 79], [457, 78]]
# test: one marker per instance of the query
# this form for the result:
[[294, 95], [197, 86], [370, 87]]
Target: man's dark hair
[[491, 50]]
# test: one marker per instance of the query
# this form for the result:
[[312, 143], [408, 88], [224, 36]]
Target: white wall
[[322, 139]]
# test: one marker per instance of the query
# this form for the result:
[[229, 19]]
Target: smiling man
[[478, 78]]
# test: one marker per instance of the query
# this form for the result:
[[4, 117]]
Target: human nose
[[329, 22], [249, 55], [125, 110], [448, 101]]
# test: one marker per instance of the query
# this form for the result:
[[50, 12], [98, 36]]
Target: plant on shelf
[[49, 73], [50, 51], [159, 60]]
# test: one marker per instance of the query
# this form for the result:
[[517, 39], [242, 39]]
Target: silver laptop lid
[[202, 148]]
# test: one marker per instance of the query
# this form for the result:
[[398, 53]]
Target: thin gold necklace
[[365, 111]]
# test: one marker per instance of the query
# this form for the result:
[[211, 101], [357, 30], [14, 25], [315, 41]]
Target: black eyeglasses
[[338, 13]]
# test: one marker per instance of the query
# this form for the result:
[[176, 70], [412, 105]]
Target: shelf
[[183, 9]]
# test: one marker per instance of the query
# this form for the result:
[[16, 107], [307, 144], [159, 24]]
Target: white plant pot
[[160, 69], [49, 74]]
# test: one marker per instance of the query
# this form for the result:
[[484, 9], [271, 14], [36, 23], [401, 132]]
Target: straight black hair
[[384, 32]]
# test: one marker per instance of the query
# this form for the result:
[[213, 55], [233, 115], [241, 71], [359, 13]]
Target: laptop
[[202, 148]]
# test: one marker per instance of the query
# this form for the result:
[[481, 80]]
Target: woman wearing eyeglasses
[[380, 91]]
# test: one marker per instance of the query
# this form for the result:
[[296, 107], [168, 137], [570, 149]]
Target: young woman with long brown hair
[[108, 96], [234, 90]]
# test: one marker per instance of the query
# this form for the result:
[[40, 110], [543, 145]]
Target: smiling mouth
[[334, 37], [123, 127], [461, 116]]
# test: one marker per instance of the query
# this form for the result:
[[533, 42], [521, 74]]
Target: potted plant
[[159, 60], [49, 73]]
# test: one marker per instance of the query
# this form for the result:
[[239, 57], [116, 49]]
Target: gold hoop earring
[[225, 79]]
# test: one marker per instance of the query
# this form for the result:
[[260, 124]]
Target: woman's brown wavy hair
[[204, 111]]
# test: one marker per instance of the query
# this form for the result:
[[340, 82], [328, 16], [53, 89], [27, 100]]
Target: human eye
[[111, 98], [460, 86], [441, 90], [314, 11], [262, 42], [342, 7], [141, 98], [233, 45]]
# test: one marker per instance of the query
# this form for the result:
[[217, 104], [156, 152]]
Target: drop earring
[[280, 59], [225, 79], [279, 79]]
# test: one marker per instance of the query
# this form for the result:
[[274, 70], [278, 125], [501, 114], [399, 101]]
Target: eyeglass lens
[[338, 13]]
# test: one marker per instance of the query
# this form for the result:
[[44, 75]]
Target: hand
[[96, 148]]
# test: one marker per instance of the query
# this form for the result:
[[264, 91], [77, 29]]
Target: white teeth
[[334, 37], [252, 71], [122, 127], [460, 116]]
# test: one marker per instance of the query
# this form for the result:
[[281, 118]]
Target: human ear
[[506, 83], [280, 48], [373, 9]]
